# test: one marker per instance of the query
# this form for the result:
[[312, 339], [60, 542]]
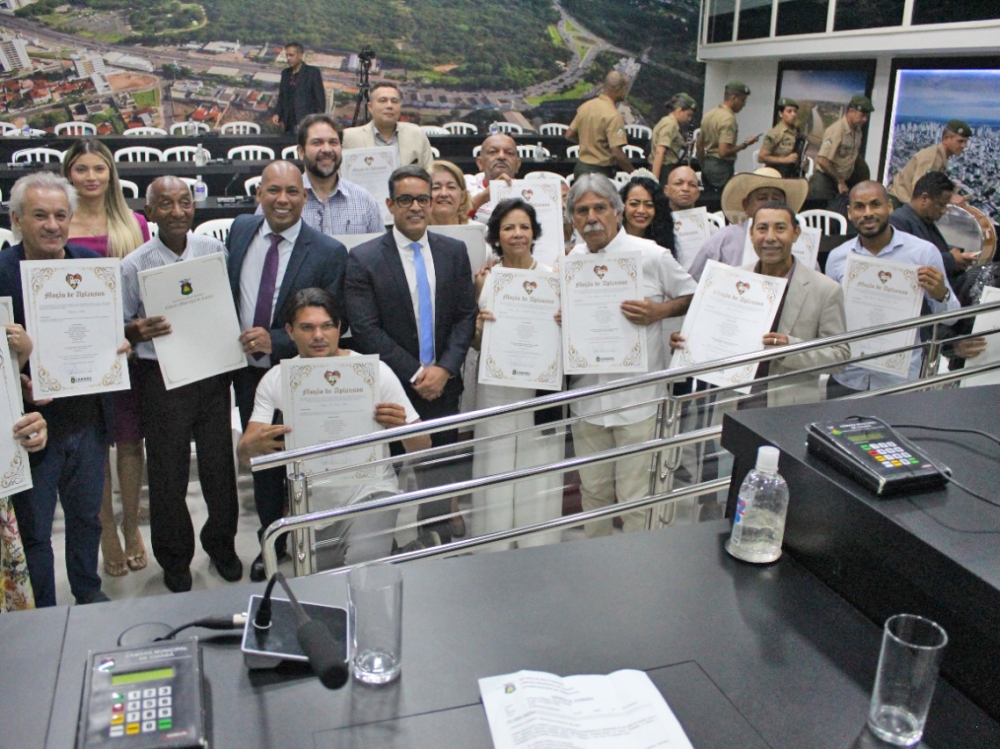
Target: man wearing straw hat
[[743, 195]]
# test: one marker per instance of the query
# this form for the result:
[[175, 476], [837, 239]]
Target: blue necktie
[[426, 322]]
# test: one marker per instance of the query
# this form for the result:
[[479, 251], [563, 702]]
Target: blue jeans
[[72, 468]]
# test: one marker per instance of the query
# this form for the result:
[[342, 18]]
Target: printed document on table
[[878, 292], [537, 710]]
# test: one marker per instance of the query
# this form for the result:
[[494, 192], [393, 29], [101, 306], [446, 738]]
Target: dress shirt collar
[[404, 241], [895, 242], [291, 234], [308, 185]]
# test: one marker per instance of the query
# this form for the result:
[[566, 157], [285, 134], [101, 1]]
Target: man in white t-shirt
[[312, 321]]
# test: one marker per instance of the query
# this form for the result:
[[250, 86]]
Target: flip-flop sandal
[[115, 563], [138, 560]]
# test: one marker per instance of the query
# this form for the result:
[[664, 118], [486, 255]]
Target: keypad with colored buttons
[[889, 454], [141, 711]]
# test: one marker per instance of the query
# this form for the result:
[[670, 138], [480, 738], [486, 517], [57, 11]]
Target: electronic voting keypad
[[874, 455], [135, 698]]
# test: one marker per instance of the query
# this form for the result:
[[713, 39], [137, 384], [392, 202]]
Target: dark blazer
[[379, 305], [308, 96], [61, 411], [316, 260]]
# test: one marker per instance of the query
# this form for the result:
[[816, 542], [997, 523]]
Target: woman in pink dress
[[104, 223]]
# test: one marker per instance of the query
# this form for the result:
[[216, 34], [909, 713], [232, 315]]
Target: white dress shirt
[[410, 270]]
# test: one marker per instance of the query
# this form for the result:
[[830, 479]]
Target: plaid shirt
[[349, 210]]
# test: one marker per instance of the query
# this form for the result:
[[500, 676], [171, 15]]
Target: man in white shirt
[[312, 320], [596, 209], [172, 418], [497, 159]]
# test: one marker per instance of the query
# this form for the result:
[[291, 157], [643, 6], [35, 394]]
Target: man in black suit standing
[[423, 341], [270, 258], [300, 91]]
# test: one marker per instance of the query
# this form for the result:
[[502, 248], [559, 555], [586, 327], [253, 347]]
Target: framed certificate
[[691, 230], [730, 313], [545, 196], [188, 294], [332, 398], [597, 337], [877, 292], [73, 313], [522, 347], [370, 168]]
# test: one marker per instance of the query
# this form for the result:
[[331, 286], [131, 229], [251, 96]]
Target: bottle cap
[[767, 459]]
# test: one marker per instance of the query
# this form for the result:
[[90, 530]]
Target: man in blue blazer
[[410, 299], [270, 258]]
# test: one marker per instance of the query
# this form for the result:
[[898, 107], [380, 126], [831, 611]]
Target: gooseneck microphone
[[225, 193], [314, 637]]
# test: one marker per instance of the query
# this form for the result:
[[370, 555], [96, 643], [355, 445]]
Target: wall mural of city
[[129, 63]]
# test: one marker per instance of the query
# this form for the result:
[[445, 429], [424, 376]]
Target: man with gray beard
[[595, 207]]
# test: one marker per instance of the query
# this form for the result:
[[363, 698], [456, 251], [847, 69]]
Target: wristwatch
[[947, 296]]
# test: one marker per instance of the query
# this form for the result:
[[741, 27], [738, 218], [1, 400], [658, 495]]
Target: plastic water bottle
[[539, 152], [200, 190], [200, 156], [759, 523], [494, 128]]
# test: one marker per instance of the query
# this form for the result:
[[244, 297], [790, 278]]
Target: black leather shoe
[[257, 572], [178, 581], [230, 568], [97, 596]]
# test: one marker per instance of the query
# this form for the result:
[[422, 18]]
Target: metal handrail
[[393, 434], [299, 483]]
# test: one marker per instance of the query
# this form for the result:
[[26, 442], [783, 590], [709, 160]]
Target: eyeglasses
[[405, 201]]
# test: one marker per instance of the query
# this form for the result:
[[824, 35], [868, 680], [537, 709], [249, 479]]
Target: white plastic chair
[[189, 128], [531, 152], [130, 188], [138, 153], [189, 181], [639, 132], [435, 152], [217, 227], [37, 155], [476, 151], [7, 239], [634, 152], [461, 128], [754, 156], [573, 152], [144, 131], [241, 127], [251, 153], [290, 152], [553, 128], [824, 220], [154, 229], [182, 153], [717, 222], [509, 128], [7, 129], [75, 128], [810, 167], [251, 185], [621, 178], [433, 130]]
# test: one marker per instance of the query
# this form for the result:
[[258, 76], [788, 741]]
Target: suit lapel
[[397, 277], [238, 253], [798, 290]]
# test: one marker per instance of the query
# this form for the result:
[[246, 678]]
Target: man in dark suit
[[410, 299], [271, 257], [300, 91]]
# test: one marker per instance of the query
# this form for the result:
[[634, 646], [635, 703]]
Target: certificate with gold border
[[597, 337], [522, 347], [15, 475], [370, 168], [332, 398], [730, 313], [877, 292], [73, 313]]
